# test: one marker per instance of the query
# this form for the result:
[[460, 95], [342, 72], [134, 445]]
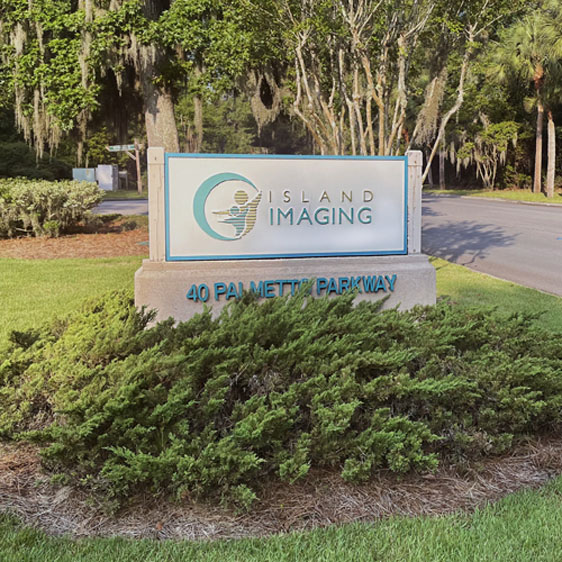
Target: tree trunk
[[198, 118], [456, 106], [161, 129], [430, 172], [402, 100], [551, 135], [538, 148], [382, 119], [442, 168]]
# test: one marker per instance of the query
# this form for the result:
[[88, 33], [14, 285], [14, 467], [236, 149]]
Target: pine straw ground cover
[[101, 237], [322, 500]]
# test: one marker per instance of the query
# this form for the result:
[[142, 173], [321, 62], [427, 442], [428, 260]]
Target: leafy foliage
[[488, 150], [211, 407], [228, 125], [19, 160], [360, 77], [97, 153], [44, 208]]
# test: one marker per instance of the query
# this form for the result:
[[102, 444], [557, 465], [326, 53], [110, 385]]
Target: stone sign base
[[182, 289]]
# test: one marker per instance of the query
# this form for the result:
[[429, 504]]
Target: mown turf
[[34, 291], [467, 287], [510, 195], [522, 527], [124, 194]]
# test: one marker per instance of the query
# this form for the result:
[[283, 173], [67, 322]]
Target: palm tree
[[553, 95], [530, 50]]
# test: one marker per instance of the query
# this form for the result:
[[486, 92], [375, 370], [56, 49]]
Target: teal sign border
[[208, 189]]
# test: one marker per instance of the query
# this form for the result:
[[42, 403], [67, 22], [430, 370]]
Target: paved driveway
[[132, 207], [517, 242]]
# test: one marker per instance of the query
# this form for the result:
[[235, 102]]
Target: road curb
[[530, 203], [496, 199], [112, 200]]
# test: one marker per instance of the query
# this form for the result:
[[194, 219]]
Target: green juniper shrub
[[44, 208], [213, 406]]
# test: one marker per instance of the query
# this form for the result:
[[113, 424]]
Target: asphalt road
[[520, 243], [123, 207]]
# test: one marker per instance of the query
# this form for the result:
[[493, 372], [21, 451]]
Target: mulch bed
[[323, 499], [112, 239]]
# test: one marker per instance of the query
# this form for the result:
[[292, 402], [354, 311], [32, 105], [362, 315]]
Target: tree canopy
[[453, 78]]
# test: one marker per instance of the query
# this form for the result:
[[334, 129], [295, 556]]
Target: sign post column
[[415, 161], [156, 218], [137, 162]]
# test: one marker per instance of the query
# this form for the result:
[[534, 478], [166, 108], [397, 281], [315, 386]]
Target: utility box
[[84, 174], [107, 176]]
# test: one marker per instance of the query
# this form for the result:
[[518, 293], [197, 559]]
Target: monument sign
[[224, 224]]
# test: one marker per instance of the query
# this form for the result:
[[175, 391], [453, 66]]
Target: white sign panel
[[222, 207]]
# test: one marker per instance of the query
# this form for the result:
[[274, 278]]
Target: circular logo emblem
[[241, 215]]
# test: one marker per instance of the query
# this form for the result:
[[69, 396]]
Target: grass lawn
[[468, 287], [510, 195], [33, 291], [124, 194], [522, 527]]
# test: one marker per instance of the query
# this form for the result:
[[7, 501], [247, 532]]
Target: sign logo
[[241, 215]]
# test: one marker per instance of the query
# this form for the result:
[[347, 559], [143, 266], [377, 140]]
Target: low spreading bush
[[44, 208], [213, 408]]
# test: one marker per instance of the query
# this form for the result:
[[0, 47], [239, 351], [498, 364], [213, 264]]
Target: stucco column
[[415, 160], [156, 222]]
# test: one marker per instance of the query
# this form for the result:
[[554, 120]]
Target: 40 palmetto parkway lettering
[[271, 288]]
